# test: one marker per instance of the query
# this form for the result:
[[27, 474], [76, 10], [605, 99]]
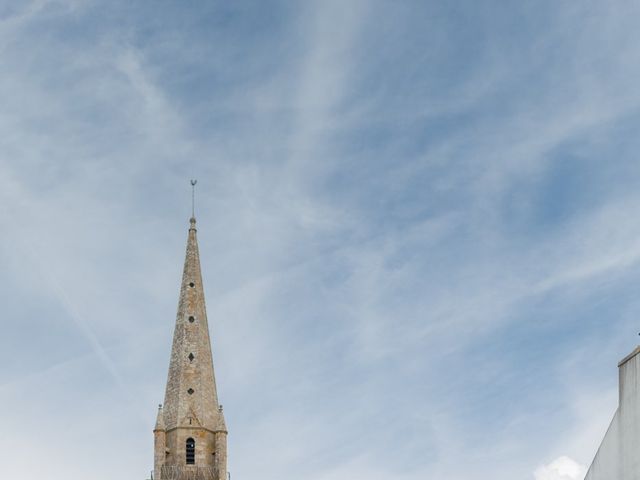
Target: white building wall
[[606, 465], [618, 457]]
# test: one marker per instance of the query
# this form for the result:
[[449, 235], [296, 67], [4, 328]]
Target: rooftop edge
[[629, 357]]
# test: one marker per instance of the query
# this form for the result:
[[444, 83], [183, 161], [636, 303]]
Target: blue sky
[[417, 223]]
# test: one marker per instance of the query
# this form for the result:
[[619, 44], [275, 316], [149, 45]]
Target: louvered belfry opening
[[191, 451]]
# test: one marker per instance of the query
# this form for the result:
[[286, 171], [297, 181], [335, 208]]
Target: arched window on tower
[[191, 451]]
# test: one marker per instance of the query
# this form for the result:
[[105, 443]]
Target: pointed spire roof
[[191, 397], [159, 420]]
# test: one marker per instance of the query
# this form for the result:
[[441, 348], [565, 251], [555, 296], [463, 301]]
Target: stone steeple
[[190, 433]]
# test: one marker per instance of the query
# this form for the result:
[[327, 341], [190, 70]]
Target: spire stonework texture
[[190, 433]]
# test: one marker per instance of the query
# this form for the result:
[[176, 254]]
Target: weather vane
[[193, 198]]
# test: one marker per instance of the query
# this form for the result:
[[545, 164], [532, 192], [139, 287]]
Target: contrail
[[84, 328], [77, 319], [13, 189]]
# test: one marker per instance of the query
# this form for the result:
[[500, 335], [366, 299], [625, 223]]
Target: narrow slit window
[[191, 451]]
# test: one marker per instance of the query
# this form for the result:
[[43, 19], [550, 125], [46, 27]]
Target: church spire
[[191, 434], [191, 396]]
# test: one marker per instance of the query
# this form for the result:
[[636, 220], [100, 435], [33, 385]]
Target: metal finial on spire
[[193, 198]]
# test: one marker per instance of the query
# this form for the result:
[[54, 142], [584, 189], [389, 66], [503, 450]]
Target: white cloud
[[561, 469]]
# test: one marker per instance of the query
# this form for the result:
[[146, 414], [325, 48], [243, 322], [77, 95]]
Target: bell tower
[[190, 432]]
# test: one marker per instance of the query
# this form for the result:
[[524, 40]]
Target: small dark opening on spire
[[192, 319], [191, 451], [191, 357], [190, 391], [192, 284]]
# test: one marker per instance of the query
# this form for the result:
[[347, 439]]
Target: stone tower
[[190, 432]]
